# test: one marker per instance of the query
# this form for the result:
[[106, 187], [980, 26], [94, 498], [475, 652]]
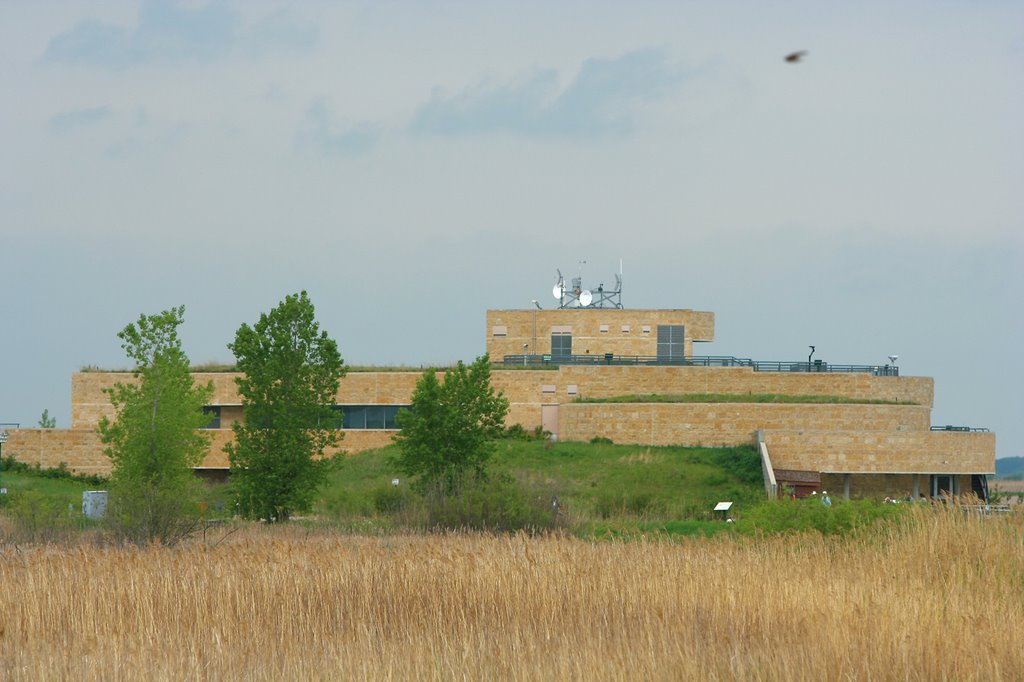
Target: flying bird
[[794, 57]]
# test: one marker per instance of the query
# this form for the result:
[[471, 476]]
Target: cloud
[[77, 118], [599, 101], [168, 32], [320, 133], [279, 32]]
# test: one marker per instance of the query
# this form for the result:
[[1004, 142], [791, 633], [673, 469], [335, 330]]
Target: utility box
[[94, 504]]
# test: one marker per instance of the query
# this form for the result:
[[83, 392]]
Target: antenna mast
[[577, 296]]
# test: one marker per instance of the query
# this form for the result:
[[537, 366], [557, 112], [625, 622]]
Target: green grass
[[596, 484], [739, 398], [61, 490]]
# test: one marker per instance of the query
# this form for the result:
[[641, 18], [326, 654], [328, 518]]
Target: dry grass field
[[941, 597]]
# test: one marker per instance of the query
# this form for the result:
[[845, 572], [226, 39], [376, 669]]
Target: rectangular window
[[391, 416], [603, 329], [561, 345], [572, 389], [355, 417], [547, 388], [625, 329], [670, 341], [499, 330], [375, 416], [213, 411], [646, 329], [368, 416]]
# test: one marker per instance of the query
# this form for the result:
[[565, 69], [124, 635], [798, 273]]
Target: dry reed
[[939, 597]]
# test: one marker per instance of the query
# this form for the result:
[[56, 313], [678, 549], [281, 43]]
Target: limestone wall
[[720, 424], [82, 450], [594, 331], [928, 452]]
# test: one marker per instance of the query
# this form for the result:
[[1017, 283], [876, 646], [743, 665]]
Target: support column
[[846, 486]]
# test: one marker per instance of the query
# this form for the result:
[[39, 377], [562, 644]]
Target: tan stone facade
[[594, 331], [871, 445]]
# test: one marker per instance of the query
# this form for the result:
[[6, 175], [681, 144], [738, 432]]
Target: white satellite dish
[[586, 298], [556, 291]]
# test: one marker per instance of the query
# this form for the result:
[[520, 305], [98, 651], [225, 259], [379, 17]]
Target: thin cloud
[[320, 133], [600, 101], [167, 32], [279, 32], [78, 118]]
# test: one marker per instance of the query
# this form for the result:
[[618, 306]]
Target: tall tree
[[449, 431], [289, 383], [154, 442]]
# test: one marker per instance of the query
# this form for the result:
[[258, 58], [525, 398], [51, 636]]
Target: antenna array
[[575, 296]]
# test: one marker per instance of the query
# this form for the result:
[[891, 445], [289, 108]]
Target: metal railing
[[966, 429], [698, 361]]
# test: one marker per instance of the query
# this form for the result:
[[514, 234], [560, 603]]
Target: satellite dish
[[586, 298], [556, 291]]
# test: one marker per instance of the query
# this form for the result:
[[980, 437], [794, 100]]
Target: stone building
[[551, 363]]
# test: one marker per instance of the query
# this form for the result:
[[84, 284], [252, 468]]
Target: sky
[[412, 164]]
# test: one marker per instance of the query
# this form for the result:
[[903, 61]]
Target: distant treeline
[[1010, 466]]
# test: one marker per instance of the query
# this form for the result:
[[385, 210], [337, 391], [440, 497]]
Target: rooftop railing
[[967, 429], [698, 361]]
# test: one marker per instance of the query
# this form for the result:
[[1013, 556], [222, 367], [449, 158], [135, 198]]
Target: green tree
[[449, 432], [46, 421], [154, 441], [291, 372]]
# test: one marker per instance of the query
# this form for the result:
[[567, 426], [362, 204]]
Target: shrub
[[37, 517], [600, 440], [499, 503], [388, 499], [778, 516], [60, 472], [517, 432]]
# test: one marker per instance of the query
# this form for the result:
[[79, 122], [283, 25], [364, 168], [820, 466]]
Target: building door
[[549, 418], [944, 485]]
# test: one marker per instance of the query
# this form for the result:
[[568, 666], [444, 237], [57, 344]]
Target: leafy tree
[[46, 421], [449, 431], [154, 441], [291, 373]]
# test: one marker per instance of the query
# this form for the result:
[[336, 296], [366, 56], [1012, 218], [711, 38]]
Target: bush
[[600, 440], [37, 517], [778, 516], [517, 432], [499, 503], [388, 499], [608, 504], [60, 472]]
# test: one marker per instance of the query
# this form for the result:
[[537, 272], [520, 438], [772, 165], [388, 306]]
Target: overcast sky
[[412, 164]]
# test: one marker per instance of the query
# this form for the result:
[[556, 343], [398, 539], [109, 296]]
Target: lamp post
[[3, 439], [809, 358], [536, 307]]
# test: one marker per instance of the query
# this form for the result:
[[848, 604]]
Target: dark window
[[355, 417], [391, 416], [561, 344], [670, 341], [375, 416], [369, 416], [213, 411]]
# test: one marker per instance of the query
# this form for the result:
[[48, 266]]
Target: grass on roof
[[739, 398]]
